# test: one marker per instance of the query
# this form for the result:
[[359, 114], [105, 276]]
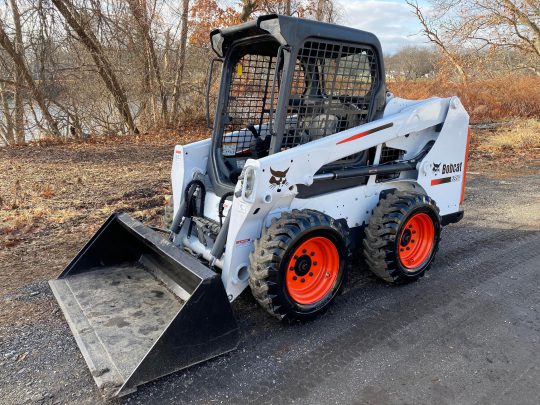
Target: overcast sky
[[391, 20]]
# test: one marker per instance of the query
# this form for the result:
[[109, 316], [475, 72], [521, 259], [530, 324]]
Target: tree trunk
[[89, 40], [20, 65], [319, 16], [529, 21], [181, 60], [9, 135], [248, 8], [19, 79], [140, 13]]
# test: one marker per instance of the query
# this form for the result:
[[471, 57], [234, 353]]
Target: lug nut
[[311, 274], [314, 263], [295, 278], [303, 280], [312, 254], [304, 251]]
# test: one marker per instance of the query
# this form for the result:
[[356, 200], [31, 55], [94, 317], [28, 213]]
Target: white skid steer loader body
[[269, 185], [307, 100]]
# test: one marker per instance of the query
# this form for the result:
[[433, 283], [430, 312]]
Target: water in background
[[34, 117]]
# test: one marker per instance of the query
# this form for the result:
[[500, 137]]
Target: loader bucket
[[141, 308]]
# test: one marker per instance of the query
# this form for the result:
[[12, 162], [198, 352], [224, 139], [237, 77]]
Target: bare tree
[[22, 68], [75, 20], [181, 59], [7, 133], [139, 9], [78, 67], [433, 35], [19, 80], [480, 25], [248, 8]]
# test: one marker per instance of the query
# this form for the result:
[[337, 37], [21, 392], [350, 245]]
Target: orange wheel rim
[[416, 241], [312, 270]]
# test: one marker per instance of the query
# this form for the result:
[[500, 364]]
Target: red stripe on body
[[436, 182], [362, 134]]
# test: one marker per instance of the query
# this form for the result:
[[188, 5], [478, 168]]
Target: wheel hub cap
[[416, 241], [302, 266]]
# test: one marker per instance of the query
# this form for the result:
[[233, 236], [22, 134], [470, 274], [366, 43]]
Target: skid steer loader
[[311, 160]]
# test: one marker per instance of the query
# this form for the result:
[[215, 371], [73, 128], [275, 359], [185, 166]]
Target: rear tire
[[299, 264], [402, 237]]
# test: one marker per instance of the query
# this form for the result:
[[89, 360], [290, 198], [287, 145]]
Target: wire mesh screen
[[389, 155], [249, 101], [332, 90]]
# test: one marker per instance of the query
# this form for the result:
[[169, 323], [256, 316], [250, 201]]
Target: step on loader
[[310, 161]]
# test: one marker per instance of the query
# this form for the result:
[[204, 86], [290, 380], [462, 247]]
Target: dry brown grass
[[507, 150], [521, 135], [487, 100]]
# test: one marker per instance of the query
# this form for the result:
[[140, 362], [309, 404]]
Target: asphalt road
[[468, 332]]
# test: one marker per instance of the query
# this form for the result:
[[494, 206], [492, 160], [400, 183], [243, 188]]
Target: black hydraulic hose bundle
[[186, 209], [188, 198]]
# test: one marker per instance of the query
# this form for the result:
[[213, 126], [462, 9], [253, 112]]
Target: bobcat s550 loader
[[311, 160]]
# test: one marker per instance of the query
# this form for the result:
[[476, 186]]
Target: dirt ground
[[54, 197]]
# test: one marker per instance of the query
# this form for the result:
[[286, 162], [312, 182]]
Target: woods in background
[[475, 36], [73, 68], [79, 67]]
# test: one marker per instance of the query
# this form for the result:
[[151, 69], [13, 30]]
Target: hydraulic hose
[[219, 244], [185, 208], [221, 206]]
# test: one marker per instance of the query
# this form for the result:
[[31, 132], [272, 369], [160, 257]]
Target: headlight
[[249, 183]]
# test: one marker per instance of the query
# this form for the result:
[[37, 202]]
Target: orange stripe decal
[[362, 134], [465, 167]]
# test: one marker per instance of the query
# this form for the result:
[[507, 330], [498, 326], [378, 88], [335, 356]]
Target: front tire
[[299, 264], [402, 237]]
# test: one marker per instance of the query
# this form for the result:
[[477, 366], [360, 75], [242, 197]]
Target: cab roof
[[290, 31]]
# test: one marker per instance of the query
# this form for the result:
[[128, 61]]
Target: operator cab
[[280, 89]]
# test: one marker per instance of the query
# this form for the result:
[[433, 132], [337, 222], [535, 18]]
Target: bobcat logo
[[278, 179], [436, 168]]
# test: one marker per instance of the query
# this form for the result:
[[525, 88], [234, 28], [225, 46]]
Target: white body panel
[[406, 124], [188, 160]]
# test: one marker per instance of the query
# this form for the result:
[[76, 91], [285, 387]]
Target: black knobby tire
[[272, 255], [384, 233]]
